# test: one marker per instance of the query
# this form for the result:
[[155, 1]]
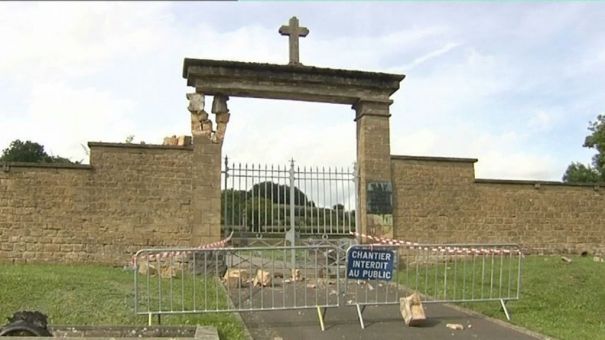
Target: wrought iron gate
[[288, 202]]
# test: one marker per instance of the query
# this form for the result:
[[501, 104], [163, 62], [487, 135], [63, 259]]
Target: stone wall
[[135, 196], [438, 200], [130, 197]]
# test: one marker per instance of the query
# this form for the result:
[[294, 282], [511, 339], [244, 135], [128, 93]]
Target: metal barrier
[[441, 274], [198, 280]]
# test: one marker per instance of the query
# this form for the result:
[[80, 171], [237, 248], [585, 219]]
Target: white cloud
[[72, 39], [275, 131], [510, 164], [63, 118], [433, 54], [541, 120], [500, 155], [103, 71]]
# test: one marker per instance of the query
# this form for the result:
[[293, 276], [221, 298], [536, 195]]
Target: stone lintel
[[292, 82]]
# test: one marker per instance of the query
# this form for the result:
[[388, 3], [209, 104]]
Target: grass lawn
[[89, 295], [558, 299]]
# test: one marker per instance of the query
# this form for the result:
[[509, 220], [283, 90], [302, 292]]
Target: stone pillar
[[206, 187], [374, 168], [206, 169]]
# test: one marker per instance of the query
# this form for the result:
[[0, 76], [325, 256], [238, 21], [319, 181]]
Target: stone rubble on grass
[[565, 259], [598, 259], [455, 326], [168, 272], [412, 310], [146, 267]]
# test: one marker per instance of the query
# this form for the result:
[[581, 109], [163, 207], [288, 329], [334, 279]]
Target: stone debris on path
[[262, 278], [234, 277], [412, 310], [455, 326], [297, 275]]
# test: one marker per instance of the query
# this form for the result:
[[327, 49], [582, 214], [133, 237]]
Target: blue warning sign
[[364, 263]]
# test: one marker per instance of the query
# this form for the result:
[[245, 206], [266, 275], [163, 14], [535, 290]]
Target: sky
[[512, 84]]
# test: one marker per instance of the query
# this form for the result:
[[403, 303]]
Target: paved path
[[383, 322]]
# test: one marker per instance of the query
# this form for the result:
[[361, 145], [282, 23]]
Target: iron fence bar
[[226, 179]]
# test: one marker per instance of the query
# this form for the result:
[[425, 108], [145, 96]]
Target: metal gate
[[272, 204]]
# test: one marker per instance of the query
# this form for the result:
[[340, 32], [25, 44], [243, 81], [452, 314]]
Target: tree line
[[591, 173], [30, 152], [576, 172], [268, 204]]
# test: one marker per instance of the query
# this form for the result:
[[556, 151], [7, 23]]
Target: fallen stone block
[[168, 272], [455, 326], [235, 277], [566, 259], [146, 268], [184, 140], [297, 275], [262, 278], [412, 310], [171, 140]]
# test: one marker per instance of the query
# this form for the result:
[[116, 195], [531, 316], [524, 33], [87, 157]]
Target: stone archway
[[368, 93]]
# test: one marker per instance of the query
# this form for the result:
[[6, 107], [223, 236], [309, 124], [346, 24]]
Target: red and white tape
[[165, 254], [439, 249]]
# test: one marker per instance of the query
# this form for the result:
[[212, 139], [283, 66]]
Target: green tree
[[232, 205], [578, 172], [279, 194], [31, 152]]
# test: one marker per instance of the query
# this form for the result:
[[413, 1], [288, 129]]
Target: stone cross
[[293, 31]]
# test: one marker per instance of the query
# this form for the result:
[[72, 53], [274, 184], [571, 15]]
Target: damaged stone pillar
[[219, 108], [206, 172], [200, 124], [375, 190]]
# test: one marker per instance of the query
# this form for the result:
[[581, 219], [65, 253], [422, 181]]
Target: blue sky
[[512, 84]]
